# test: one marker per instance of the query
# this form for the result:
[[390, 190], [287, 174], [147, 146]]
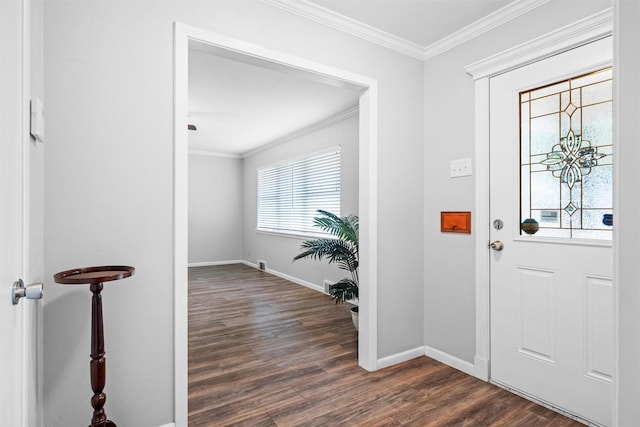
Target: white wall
[[277, 250], [449, 258], [109, 186], [215, 209]]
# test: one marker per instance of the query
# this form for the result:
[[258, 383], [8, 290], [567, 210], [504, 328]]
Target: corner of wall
[[403, 356], [447, 359]]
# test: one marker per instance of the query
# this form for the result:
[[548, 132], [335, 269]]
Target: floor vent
[[327, 283], [262, 265]]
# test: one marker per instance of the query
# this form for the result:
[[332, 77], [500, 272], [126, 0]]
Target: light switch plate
[[460, 167]]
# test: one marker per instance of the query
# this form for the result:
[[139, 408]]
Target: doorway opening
[[367, 189]]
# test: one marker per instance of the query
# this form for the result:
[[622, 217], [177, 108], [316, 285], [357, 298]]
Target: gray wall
[[222, 204], [449, 282], [109, 186], [215, 208], [108, 189], [278, 250]]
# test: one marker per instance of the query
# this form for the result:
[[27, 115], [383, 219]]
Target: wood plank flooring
[[267, 352]]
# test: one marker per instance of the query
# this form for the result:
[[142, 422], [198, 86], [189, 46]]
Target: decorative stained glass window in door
[[566, 161]]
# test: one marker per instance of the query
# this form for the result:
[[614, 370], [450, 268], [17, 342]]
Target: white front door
[[17, 349], [551, 188]]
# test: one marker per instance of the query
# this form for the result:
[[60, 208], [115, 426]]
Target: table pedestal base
[[95, 276]]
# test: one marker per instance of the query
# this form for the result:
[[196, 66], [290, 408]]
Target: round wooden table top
[[106, 273]]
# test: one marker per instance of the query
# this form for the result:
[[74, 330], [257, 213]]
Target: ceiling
[[423, 22], [239, 105]]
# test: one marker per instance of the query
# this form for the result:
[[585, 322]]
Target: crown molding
[[483, 25], [591, 28], [306, 130], [215, 154], [327, 17], [324, 16]]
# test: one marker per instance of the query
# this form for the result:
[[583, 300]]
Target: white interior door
[[18, 348], [551, 176]]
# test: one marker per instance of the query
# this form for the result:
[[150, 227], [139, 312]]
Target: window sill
[[299, 235]]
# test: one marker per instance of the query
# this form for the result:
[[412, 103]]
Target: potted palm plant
[[341, 249]]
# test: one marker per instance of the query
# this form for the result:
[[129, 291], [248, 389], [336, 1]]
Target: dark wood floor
[[266, 352]]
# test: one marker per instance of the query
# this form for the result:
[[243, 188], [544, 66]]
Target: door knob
[[19, 290], [497, 245]]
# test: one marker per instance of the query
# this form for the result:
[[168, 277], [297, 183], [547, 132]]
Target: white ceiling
[[238, 106]]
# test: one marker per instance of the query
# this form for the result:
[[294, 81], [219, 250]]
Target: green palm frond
[[342, 250], [344, 290], [345, 228], [338, 251]]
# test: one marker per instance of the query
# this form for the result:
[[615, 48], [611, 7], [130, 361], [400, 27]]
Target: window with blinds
[[290, 193]]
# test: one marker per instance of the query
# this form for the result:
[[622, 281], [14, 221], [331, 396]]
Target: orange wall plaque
[[455, 222]]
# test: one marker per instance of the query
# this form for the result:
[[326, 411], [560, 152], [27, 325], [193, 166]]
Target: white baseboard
[[249, 264], [481, 370], [447, 359], [296, 280], [289, 278], [208, 263], [400, 357], [168, 425]]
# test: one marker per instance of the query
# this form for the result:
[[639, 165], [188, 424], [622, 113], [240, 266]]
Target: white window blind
[[290, 194]]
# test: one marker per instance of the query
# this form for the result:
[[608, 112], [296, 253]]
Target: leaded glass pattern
[[566, 161]]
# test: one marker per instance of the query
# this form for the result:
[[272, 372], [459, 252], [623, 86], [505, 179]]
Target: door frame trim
[[594, 27], [367, 192], [25, 321], [30, 367]]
